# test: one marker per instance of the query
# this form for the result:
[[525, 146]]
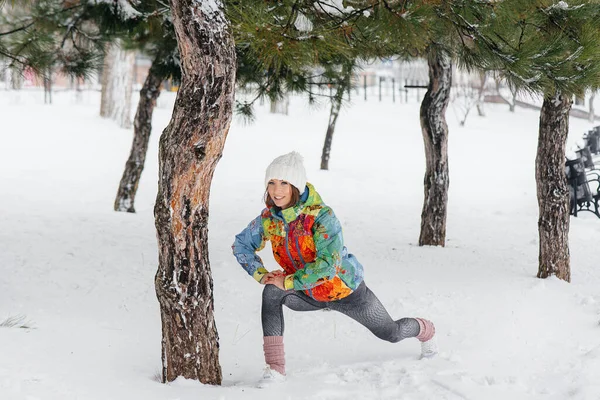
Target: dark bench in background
[[583, 177]]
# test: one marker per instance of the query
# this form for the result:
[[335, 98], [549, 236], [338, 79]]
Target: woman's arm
[[245, 246]]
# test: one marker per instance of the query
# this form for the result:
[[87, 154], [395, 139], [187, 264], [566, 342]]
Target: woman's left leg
[[273, 325]]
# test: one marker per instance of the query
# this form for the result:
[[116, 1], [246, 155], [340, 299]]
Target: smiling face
[[280, 192]]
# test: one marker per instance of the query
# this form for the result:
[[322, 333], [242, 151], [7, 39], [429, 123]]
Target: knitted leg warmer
[[274, 354], [426, 331]]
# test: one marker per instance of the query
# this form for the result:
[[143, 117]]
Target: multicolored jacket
[[307, 242]]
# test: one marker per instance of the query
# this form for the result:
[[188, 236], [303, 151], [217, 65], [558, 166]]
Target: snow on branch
[[123, 8], [562, 5], [333, 7]]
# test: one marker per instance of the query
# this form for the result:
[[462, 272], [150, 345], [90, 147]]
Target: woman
[[318, 272]]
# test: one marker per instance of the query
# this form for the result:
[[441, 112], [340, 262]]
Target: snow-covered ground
[[81, 276]]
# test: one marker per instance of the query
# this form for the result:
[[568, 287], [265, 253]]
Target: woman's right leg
[[364, 307], [273, 300]]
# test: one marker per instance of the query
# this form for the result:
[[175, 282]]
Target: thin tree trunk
[[106, 96], [142, 128], [336, 106], [6, 75], [435, 137], [592, 114], [511, 103], [17, 79], [190, 149], [48, 87], [280, 106], [552, 190], [117, 85], [481, 94]]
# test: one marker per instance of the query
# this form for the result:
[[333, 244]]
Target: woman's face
[[280, 192]]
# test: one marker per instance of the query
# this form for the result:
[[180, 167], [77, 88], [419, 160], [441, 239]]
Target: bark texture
[[552, 190], [142, 128], [190, 149], [336, 106], [435, 137]]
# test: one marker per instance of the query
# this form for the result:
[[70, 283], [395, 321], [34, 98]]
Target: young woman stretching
[[318, 272]]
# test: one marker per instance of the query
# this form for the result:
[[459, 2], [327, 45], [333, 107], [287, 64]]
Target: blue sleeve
[[246, 244]]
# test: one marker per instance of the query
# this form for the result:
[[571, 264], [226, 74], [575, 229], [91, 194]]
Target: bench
[[584, 183], [592, 140]]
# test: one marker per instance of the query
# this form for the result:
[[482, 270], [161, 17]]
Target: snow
[[81, 276], [210, 7], [302, 23], [208, 14], [125, 9], [333, 7]]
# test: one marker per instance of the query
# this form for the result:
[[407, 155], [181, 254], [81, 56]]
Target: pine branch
[[10, 56], [289, 21], [70, 29], [19, 29]]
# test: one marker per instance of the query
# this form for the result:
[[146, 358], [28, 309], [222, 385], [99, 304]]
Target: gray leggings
[[362, 306]]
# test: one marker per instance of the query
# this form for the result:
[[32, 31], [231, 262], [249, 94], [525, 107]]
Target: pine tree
[[435, 136], [154, 36], [276, 34], [342, 81], [549, 48], [146, 28], [417, 29], [190, 148], [59, 35]]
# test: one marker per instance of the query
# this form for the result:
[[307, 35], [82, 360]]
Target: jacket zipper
[[310, 292], [287, 249], [287, 242], [299, 251]]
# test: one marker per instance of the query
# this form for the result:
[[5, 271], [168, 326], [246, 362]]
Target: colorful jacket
[[307, 242]]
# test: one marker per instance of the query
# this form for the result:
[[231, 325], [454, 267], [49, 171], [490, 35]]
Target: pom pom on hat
[[288, 167]]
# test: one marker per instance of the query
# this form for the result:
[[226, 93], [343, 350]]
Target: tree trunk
[[190, 148], [592, 114], [481, 94], [552, 190], [513, 103], [336, 105], [47, 78], [17, 79], [142, 128], [117, 85], [280, 106], [106, 96], [6, 71], [435, 137]]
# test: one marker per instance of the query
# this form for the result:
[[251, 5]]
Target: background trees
[[551, 49], [154, 36], [544, 47]]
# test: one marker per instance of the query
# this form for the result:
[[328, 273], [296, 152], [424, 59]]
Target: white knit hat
[[288, 167]]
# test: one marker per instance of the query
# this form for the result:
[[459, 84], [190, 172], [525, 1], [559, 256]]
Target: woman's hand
[[277, 281], [274, 278]]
